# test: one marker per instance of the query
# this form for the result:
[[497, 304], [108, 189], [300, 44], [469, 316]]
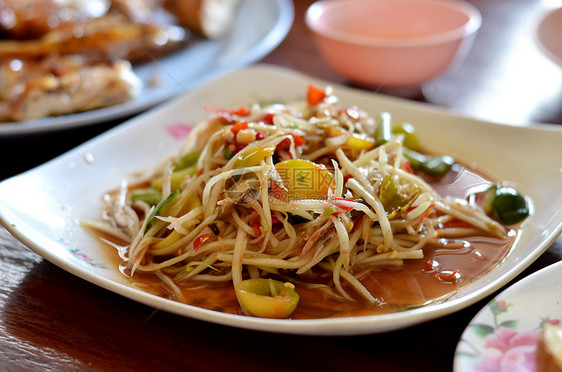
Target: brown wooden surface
[[52, 320]]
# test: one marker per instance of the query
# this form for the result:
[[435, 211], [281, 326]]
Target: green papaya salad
[[271, 198]]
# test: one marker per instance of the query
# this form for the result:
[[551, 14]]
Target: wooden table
[[51, 320]]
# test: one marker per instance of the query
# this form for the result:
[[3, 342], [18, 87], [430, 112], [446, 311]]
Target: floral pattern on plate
[[504, 334]]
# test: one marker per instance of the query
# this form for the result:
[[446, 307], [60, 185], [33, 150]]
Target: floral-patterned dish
[[503, 336], [44, 206]]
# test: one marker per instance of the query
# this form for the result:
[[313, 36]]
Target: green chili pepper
[[161, 208], [392, 200], [150, 195], [416, 159], [383, 132], [329, 211], [433, 165], [187, 160], [227, 153], [438, 165], [410, 136], [388, 194], [178, 176]]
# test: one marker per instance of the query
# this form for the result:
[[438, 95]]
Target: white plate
[[259, 26], [505, 332], [549, 35], [43, 207]]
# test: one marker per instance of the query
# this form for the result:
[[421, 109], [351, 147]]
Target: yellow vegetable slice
[[361, 142], [268, 298], [254, 157], [173, 237], [305, 179], [357, 141]]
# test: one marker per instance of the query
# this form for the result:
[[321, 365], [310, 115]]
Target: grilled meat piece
[[138, 11], [209, 18], [58, 85], [110, 37], [30, 19]]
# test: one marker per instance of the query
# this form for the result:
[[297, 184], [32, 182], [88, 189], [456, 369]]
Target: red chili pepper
[[227, 116], [286, 143], [345, 204], [255, 224], [260, 135], [347, 178], [239, 126], [314, 95], [200, 240], [268, 118], [241, 111], [299, 141], [449, 277], [429, 266], [357, 222], [412, 207], [428, 211], [407, 166]]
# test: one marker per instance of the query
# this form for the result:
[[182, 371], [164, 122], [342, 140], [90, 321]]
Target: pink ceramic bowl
[[548, 34], [393, 43]]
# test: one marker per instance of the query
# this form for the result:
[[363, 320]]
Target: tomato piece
[[241, 111], [299, 141], [286, 143], [239, 126], [268, 118], [314, 95]]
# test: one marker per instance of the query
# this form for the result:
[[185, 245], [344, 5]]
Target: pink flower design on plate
[[553, 321], [509, 350], [179, 130]]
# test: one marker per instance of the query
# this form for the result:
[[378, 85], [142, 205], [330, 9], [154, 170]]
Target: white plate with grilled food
[[255, 29]]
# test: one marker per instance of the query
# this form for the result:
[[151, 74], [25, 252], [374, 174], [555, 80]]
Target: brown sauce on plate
[[442, 271]]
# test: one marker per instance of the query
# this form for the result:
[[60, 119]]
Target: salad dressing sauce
[[441, 272]]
